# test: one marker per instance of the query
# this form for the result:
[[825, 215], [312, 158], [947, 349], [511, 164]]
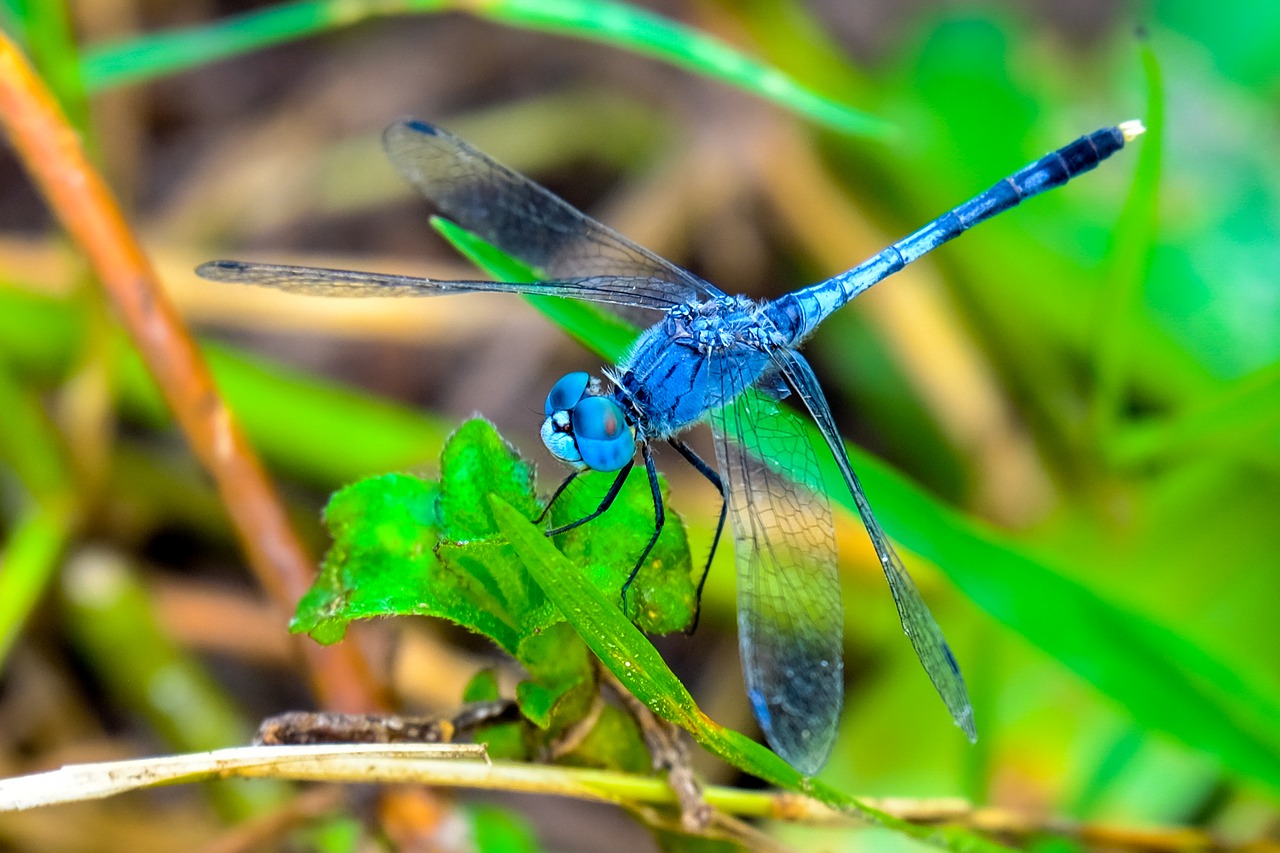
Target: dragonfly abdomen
[[801, 312]]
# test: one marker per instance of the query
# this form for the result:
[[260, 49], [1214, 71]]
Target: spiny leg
[[659, 518], [605, 503], [564, 484], [710, 473]]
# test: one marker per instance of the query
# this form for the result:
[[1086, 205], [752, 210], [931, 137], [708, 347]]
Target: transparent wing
[[318, 281], [526, 220], [790, 622], [917, 621]]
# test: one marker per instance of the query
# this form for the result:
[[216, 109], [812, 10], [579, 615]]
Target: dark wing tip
[[220, 270], [968, 727], [404, 137], [413, 124]]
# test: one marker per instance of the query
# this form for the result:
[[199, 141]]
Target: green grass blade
[[1240, 420], [29, 444], [113, 622], [1166, 682], [1163, 680], [30, 448], [156, 55], [29, 560], [588, 324], [294, 418], [636, 663], [1129, 262], [47, 36], [652, 35]]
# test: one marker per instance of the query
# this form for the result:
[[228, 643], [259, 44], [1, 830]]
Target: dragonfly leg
[[710, 473], [605, 502], [564, 484], [659, 518]]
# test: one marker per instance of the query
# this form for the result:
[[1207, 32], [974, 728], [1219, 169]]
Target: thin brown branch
[[670, 755], [306, 727], [80, 198]]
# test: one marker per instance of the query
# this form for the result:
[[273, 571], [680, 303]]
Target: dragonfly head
[[584, 428]]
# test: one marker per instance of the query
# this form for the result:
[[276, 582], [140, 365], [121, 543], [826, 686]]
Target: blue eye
[[566, 393], [601, 433]]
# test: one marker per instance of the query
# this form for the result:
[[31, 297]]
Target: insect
[[710, 357]]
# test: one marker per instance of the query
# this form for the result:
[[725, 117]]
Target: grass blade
[[1129, 262], [157, 55], [636, 663]]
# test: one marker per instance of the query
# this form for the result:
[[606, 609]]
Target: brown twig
[[670, 755], [86, 207], [80, 198], [307, 727]]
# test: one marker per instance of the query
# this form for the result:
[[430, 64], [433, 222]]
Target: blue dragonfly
[[706, 356]]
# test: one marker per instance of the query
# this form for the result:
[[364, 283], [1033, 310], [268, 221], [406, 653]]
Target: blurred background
[[1073, 412]]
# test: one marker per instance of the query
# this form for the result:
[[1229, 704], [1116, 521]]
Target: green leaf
[[370, 559], [613, 742], [563, 684], [618, 643], [661, 596], [395, 553], [476, 462], [403, 545]]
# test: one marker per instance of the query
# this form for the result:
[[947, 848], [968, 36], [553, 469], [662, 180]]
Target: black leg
[[707, 471], [556, 494], [659, 518], [604, 504]]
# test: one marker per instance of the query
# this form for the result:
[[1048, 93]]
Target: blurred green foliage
[[619, 24], [1131, 320]]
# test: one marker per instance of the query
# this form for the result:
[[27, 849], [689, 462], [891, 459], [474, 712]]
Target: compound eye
[[601, 433], [566, 393]]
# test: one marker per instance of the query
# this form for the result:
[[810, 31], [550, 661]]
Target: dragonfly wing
[[319, 281], [526, 220], [917, 620], [790, 622]]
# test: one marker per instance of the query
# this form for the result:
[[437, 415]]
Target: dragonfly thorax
[[720, 323], [586, 428], [696, 359]]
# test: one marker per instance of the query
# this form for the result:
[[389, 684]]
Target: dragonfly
[[705, 356]]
